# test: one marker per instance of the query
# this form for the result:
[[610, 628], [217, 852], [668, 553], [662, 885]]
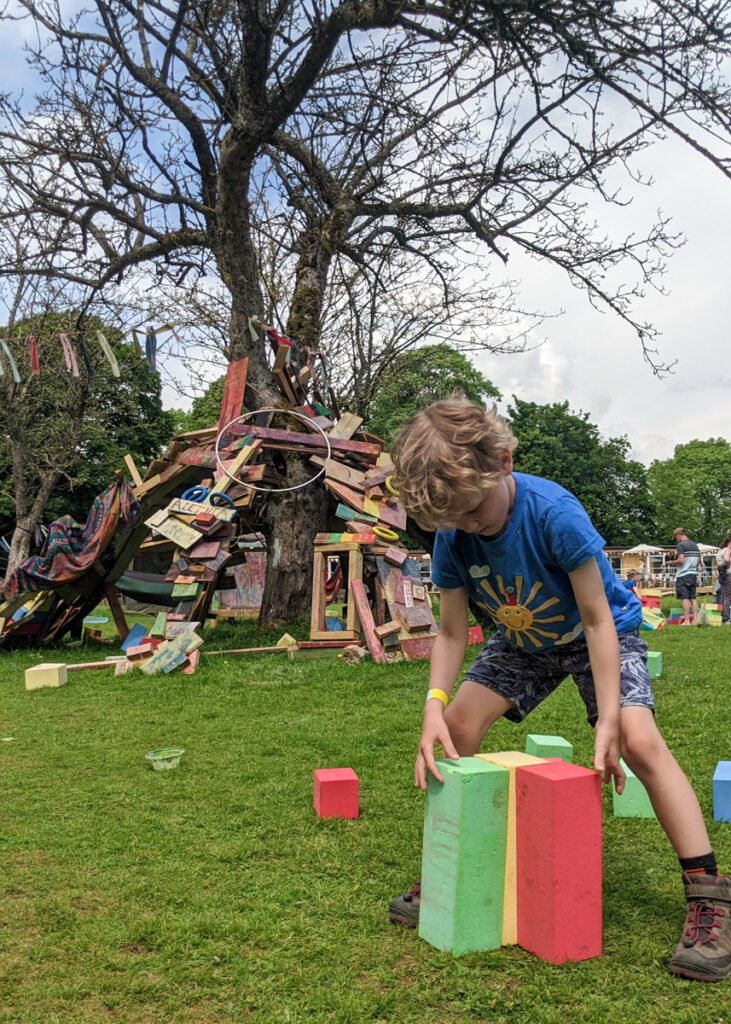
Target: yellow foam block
[[48, 674], [511, 759]]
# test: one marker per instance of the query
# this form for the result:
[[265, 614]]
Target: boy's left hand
[[606, 755]]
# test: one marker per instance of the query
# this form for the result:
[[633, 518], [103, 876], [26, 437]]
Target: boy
[[524, 549], [631, 582]]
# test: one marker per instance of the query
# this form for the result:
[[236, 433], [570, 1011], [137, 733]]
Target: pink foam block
[[559, 861], [336, 793]]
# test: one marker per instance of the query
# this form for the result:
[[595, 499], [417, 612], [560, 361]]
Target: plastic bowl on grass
[[161, 760]]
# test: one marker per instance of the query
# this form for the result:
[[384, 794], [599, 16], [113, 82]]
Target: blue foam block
[[722, 792]]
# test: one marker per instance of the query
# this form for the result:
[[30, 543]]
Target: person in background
[[687, 559], [723, 561], [631, 582]]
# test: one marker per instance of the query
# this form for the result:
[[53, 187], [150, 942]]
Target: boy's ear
[[506, 461]]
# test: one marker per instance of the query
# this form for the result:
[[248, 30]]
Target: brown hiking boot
[[405, 909], [704, 951]]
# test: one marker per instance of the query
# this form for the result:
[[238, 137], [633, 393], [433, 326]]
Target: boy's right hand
[[434, 732]]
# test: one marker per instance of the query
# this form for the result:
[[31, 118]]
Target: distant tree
[[566, 447], [693, 489], [415, 379], [62, 437]]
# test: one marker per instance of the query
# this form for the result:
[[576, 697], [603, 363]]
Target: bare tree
[[410, 124]]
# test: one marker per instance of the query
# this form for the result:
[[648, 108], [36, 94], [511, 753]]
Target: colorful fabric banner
[[69, 355], [33, 355], [107, 350]]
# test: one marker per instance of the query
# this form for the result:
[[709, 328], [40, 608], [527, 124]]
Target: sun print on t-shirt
[[517, 618]]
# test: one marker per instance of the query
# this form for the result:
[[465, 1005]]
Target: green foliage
[[212, 893], [82, 426], [693, 489], [416, 379], [565, 447], [206, 408]]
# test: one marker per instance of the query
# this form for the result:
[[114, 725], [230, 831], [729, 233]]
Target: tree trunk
[[19, 545], [290, 522], [289, 519]]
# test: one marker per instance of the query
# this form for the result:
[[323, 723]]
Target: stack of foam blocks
[[512, 854]]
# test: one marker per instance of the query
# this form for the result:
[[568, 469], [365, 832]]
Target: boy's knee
[[465, 733], [642, 746]]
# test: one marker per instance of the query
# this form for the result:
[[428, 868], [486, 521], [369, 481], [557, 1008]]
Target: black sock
[[705, 865]]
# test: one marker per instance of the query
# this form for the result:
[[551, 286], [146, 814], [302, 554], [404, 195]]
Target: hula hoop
[[384, 533], [389, 486], [272, 490]]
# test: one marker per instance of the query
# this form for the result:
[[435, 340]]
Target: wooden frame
[[319, 605]]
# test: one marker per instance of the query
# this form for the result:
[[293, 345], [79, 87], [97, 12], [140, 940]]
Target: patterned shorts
[[527, 679]]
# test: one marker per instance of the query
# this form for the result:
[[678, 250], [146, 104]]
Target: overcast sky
[[592, 360], [595, 362]]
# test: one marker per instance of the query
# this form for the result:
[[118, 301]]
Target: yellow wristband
[[440, 695]]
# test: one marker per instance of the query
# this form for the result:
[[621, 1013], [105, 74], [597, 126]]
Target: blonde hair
[[452, 449]]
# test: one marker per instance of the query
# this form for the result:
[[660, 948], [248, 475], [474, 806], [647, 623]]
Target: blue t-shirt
[[521, 577]]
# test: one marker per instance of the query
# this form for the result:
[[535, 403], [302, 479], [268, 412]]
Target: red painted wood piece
[[395, 556], [233, 392], [559, 861], [417, 648], [474, 635], [373, 643], [313, 441], [335, 793]]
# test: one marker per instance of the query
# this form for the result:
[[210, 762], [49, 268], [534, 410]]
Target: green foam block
[[654, 663], [549, 746], [634, 801], [463, 862]]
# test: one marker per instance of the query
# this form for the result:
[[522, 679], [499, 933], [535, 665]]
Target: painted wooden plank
[[346, 426], [199, 508], [387, 628], [133, 471], [169, 652], [417, 648], [233, 392], [416, 618], [373, 643], [309, 442], [183, 535], [394, 517]]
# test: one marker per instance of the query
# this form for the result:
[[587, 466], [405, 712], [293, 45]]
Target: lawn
[[211, 893]]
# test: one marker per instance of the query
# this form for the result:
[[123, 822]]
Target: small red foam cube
[[336, 793]]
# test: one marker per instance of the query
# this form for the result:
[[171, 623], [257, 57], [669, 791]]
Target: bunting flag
[[106, 349], [69, 355], [13, 367], [84, 354], [136, 341], [33, 354], [151, 348]]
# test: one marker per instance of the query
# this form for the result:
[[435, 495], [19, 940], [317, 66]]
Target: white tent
[[646, 550], [708, 549]]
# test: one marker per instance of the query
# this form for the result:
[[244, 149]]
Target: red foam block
[[559, 861], [336, 793]]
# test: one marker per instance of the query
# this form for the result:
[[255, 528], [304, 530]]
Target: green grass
[[211, 893]]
